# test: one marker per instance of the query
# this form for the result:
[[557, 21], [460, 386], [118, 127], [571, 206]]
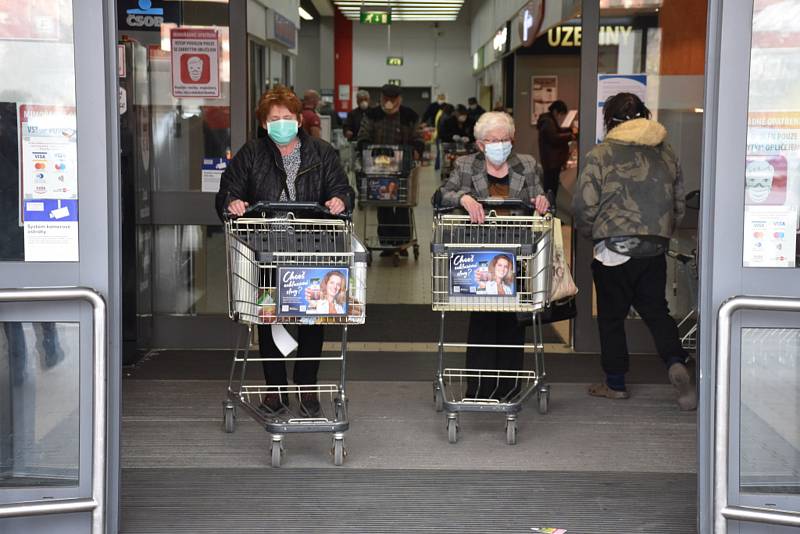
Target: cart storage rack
[[265, 243], [528, 238], [387, 177]]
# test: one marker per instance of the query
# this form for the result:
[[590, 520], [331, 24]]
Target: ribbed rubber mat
[[234, 501]]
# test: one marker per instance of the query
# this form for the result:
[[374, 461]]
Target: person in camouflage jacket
[[629, 199]]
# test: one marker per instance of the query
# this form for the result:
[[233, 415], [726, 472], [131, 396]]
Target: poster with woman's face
[[482, 273], [304, 291]]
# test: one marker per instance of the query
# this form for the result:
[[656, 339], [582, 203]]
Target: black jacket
[[450, 126], [430, 113], [256, 173], [377, 128], [553, 142], [353, 121]]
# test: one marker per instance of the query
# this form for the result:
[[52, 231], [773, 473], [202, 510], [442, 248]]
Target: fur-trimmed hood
[[638, 132]]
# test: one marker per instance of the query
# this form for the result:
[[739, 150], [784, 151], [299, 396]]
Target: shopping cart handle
[[495, 203], [263, 207]]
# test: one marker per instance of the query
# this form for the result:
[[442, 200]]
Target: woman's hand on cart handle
[[541, 204], [335, 205], [237, 207], [474, 208]]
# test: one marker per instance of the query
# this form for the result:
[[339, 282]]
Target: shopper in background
[[553, 145], [288, 165], [475, 109], [429, 117], [495, 171], [458, 124], [311, 122], [629, 200], [392, 124], [326, 110], [352, 123]]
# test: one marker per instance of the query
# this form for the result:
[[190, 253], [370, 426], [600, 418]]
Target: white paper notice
[[49, 241], [283, 339], [769, 236]]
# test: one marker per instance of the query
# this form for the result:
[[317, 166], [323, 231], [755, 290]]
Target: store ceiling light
[[305, 15], [404, 10]]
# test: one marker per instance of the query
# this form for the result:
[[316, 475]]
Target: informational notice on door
[[195, 63], [212, 173], [769, 236], [609, 85], [544, 91], [49, 182]]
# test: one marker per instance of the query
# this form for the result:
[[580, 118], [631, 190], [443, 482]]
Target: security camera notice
[[195, 63]]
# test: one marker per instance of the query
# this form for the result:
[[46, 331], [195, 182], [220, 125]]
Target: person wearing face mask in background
[[352, 123], [495, 171], [392, 124], [311, 121], [474, 109], [288, 165], [457, 125]]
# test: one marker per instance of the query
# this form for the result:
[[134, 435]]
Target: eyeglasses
[[489, 141]]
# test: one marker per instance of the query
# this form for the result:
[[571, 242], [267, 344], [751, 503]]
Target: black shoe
[[309, 405], [386, 253], [274, 404]]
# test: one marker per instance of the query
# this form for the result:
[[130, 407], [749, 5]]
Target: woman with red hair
[[288, 165]]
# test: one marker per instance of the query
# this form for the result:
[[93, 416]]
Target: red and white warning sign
[[195, 63]]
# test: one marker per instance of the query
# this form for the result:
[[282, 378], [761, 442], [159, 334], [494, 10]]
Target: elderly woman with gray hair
[[495, 171]]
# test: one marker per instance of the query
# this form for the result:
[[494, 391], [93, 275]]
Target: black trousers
[[550, 182], [494, 329], [309, 340], [641, 283], [394, 226]]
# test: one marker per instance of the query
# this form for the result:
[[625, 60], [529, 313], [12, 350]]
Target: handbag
[[562, 286]]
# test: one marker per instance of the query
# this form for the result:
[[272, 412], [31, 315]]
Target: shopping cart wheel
[[277, 451], [452, 428], [544, 400], [438, 398], [511, 431], [416, 252], [229, 418], [338, 451]]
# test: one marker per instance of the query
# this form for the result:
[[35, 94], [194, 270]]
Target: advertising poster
[[544, 91], [481, 273], [382, 189], [195, 63], [49, 182], [212, 173], [304, 291], [769, 236], [609, 85]]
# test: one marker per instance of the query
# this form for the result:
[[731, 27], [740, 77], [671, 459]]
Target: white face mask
[[363, 104], [497, 153]]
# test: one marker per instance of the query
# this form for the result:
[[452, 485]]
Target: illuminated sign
[[376, 16], [530, 20], [394, 61], [570, 36], [477, 60], [395, 81], [500, 41]]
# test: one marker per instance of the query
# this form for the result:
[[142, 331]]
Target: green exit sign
[[376, 17], [394, 61], [395, 82]]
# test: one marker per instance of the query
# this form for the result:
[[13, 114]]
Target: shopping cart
[[687, 326], [275, 262], [387, 178], [451, 152], [459, 250]]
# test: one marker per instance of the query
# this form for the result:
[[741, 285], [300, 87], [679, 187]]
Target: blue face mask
[[282, 131], [498, 153]]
